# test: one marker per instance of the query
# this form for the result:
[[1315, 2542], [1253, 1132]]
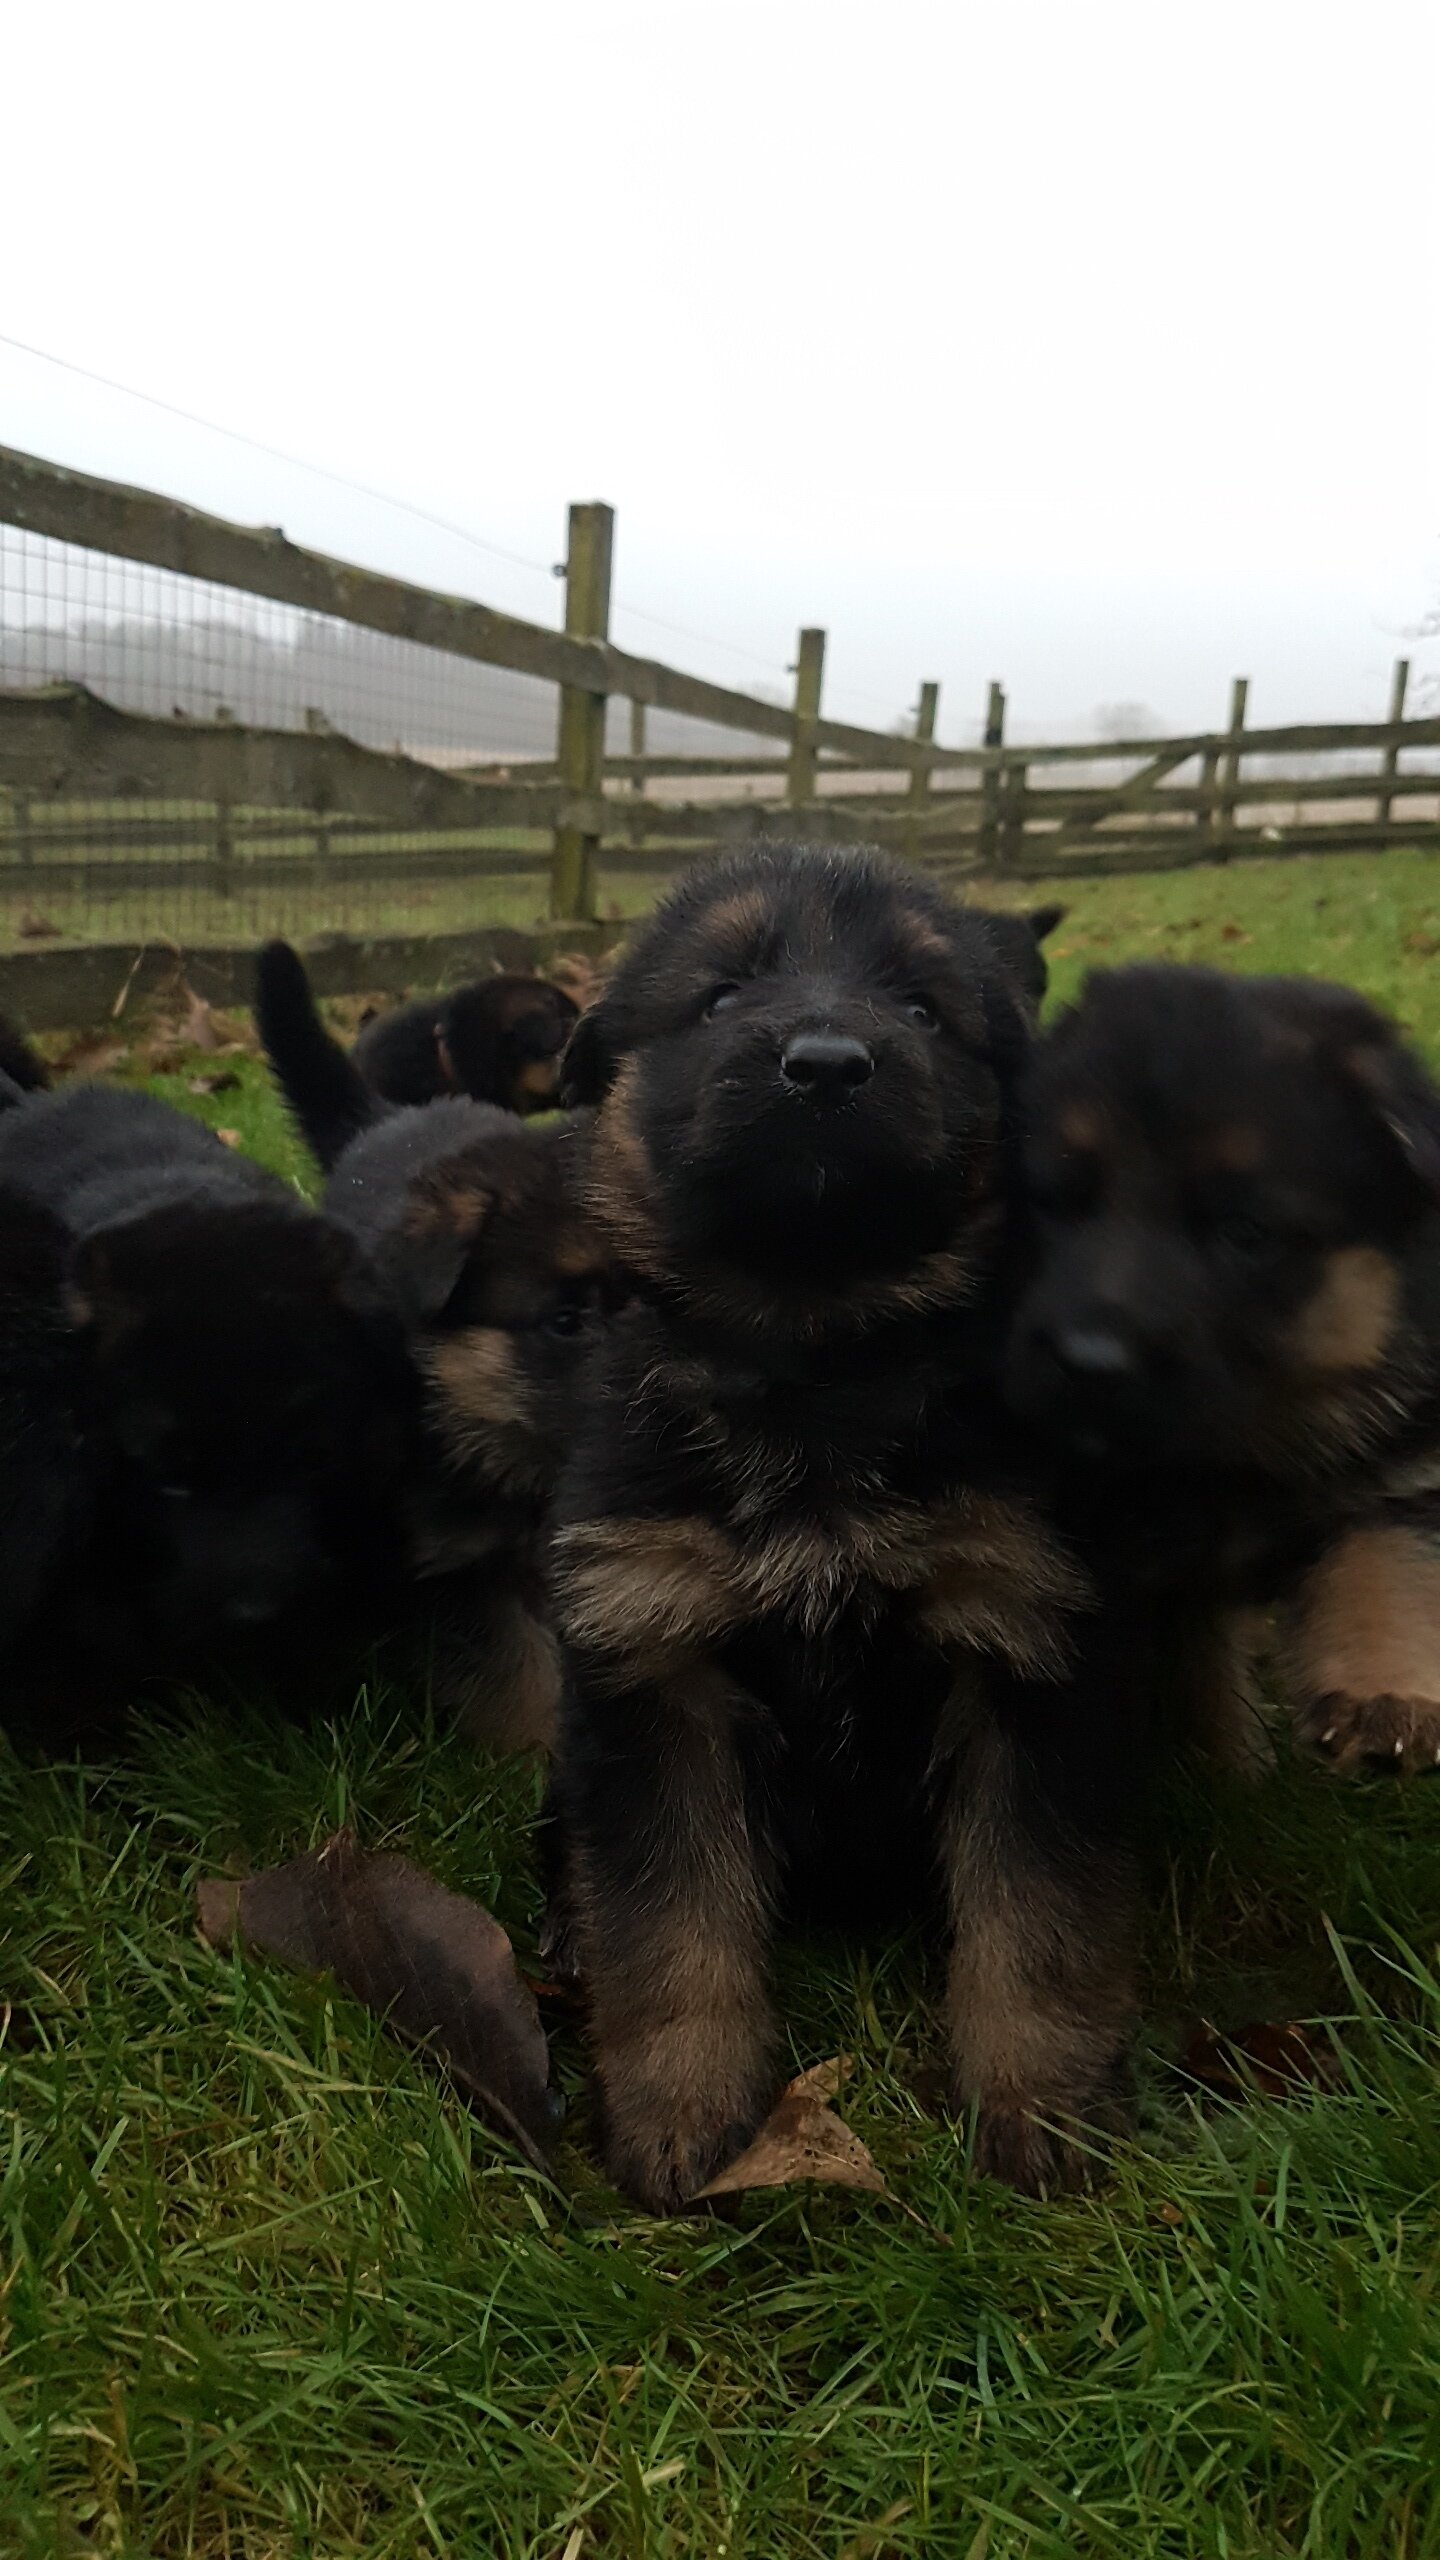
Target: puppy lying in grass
[[813, 1618], [1231, 1325], [497, 1040], [473, 1222], [207, 1409]]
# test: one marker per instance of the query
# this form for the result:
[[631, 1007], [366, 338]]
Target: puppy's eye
[[566, 1321], [1243, 1235], [921, 1011], [720, 999]]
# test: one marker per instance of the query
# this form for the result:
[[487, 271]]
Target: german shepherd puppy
[[497, 1039], [477, 1226], [810, 1616], [474, 1223], [209, 1408], [1232, 1319]]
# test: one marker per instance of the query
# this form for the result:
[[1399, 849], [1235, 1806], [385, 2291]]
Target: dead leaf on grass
[[802, 2138], [228, 1137], [1233, 933], [92, 1055], [226, 1082], [38, 928], [197, 1031], [1263, 2059], [434, 1965]]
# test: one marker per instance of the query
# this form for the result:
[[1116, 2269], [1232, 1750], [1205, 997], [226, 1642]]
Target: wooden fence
[[145, 803]]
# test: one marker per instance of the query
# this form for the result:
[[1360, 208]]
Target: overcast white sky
[[1089, 346]]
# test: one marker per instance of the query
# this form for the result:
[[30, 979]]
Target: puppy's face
[[1223, 1179], [505, 1286], [248, 1398], [801, 1069], [503, 1041]]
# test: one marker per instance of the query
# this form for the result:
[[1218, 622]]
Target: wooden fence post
[[580, 742], [1229, 774], [1014, 784], [1390, 755], [809, 672], [920, 770], [992, 778], [637, 781]]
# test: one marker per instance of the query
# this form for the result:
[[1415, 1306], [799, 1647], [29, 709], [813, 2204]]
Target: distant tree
[[1128, 720]]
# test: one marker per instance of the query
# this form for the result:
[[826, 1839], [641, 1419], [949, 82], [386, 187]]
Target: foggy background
[[1090, 349]]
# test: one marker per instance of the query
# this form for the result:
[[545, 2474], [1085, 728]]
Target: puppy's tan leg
[[671, 1906], [495, 1666], [1042, 1971], [1360, 1649], [1217, 1693]]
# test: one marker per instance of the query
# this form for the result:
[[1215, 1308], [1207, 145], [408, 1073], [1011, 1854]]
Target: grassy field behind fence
[[270, 2293]]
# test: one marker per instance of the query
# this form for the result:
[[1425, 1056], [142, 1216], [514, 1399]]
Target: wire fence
[[163, 645]]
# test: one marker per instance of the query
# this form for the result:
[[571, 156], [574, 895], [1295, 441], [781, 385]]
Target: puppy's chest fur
[[794, 1523]]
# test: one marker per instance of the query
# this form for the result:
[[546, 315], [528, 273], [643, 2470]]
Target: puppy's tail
[[19, 1064], [323, 1087]]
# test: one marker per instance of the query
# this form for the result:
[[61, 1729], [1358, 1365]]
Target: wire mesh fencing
[[168, 647]]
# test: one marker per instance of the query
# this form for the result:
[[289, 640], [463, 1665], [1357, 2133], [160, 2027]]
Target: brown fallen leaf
[[198, 1030], [228, 1137], [1233, 933], [434, 1965], [802, 2138], [38, 928], [91, 1054], [1271, 2061]]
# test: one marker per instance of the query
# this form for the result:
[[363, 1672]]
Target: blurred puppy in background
[[1230, 1329], [207, 1422], [475, 1226]]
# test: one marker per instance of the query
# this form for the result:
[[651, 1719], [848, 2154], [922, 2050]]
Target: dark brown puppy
[[476, 1225], [810, 1615], [498, 1040], [1232, 1319]]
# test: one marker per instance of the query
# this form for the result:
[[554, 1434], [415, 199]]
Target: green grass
[[269, 2292]]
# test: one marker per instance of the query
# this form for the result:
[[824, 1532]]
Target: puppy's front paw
[[675, 2114], [1056, 2144], [1380, 1733], [1036, 2158]]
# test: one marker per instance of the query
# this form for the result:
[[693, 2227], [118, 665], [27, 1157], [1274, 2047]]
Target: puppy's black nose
[[1094, 1354], [826, 1065]]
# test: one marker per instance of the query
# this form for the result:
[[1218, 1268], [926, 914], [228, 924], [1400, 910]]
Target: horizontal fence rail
[[120, 825]]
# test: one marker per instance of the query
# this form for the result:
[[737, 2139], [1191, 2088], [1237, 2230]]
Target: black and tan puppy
[[207, 1406], [497, 1039], [477, 1227], [810, 1616], [1232, 1320], [475, 1224], [498, 1042]]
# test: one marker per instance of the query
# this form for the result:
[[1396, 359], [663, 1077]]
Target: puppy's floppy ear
[[587, 1069], [96, 1299], [423, 1260], [1405, 1100], [1043, 920]]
